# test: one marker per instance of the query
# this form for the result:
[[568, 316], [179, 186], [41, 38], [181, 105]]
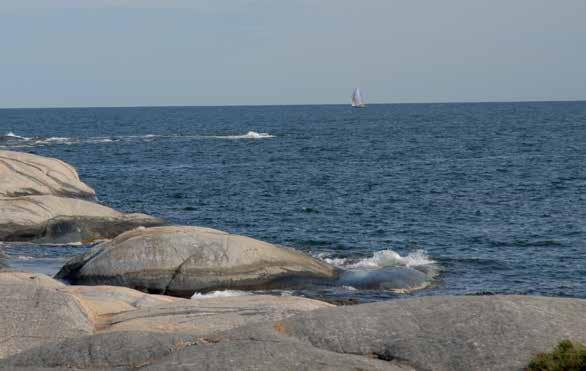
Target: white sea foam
[[249, 135], [219, 294], [100, 140], [380, 259]]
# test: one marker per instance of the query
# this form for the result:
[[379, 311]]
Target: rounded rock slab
[[182, 260], [25, 174], [52, 219]]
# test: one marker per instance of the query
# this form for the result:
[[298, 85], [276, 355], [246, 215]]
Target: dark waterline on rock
[[493, 192]]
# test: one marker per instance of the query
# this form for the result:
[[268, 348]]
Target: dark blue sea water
[[495, 193]]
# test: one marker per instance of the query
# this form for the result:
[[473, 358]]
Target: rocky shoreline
[[127, 306]]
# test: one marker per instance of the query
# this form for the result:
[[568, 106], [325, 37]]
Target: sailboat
[[357, 101]]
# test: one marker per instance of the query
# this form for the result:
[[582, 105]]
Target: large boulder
[[64, 220], [180, 261], [25, 174]]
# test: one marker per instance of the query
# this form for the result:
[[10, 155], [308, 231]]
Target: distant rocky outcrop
[[86, 328], [43, 200], [182, 260]]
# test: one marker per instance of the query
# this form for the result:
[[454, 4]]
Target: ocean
[[494, 194]]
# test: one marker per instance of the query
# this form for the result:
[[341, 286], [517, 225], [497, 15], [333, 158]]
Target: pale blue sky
[[157, 52]]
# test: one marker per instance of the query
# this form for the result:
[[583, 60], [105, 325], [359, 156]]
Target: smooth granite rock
[[126, 350], [25, 174], [103, 302], [36, 313], [182, 260], [430, 333], [445, 333], [156, 351], [64, 220], [16, 277], [209, 315]]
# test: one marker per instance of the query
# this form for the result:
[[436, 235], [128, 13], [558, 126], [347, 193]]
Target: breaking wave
[[381, 259]]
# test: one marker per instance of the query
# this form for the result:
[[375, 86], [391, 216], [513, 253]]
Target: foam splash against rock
[[381, 259]]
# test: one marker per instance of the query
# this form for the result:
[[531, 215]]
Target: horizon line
[[291, 105]]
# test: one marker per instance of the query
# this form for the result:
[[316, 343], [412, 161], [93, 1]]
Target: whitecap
[[249, 135], [219, 294]]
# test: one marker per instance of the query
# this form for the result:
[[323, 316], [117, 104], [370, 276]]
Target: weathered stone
[[156, 351], [277, 353], [63, 220], [105, 301], [210, 315], [431, 333], [445, 333], [38, 311], [182, 260], [35, 313], [128, 350], [15, 277], [25, 174]]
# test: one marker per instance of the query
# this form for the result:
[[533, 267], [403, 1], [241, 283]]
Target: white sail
[[357, 100]]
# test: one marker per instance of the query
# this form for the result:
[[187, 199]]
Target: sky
[[87, 53]]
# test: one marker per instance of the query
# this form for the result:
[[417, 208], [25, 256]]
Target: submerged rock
[[55, 219], [182, 260], [398, 279], [25, 174]]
